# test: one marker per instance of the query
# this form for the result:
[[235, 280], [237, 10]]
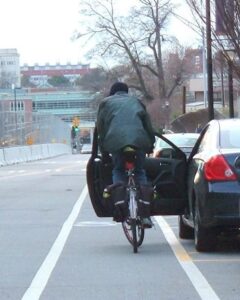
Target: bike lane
[[97, 262]]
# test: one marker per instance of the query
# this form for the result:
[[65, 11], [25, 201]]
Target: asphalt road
[[53, 247]]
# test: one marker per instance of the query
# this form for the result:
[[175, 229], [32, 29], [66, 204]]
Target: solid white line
[[42, 276], [199, 282]]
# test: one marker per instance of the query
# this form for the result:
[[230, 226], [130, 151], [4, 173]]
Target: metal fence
[[21, 128]]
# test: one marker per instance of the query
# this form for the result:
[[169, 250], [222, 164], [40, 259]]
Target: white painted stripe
[[42, 276], [95, 224], [199, 282]]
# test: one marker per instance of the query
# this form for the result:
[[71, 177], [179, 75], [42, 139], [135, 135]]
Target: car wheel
[[205, 238], [185, 231]]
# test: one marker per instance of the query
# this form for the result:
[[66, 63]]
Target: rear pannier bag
[[145, 197], [115, 195]]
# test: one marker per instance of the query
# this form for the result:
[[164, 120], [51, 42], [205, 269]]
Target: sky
[[41, 30]]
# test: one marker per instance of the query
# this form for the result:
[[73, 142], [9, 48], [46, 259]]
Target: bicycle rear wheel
[[134, 231]]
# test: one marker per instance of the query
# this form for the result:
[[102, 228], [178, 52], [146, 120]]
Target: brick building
[[40, 74]]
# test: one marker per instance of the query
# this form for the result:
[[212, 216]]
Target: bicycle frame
[[132, 194], [132, 226]]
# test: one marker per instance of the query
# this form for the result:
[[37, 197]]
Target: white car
[[86, 148], [184, 141]]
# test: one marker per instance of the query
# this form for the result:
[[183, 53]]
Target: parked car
[[184, 141], [213, 181]]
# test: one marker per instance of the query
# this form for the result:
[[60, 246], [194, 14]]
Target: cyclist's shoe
[[147, 223]]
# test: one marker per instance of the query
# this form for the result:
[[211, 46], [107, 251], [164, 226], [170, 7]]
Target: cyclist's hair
[[118, 87]]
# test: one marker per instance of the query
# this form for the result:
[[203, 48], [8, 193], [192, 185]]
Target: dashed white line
[[41, 278]]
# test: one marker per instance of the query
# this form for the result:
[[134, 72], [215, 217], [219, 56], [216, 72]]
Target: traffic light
[[74, 131]]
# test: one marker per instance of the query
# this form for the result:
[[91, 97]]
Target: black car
[[166, 174], [213, 181]]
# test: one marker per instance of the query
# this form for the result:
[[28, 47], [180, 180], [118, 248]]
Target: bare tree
[[136, 40], [225, 25], [6, 79]]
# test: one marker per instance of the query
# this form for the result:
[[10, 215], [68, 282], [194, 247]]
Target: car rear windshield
[[230, 138], [179, 141]]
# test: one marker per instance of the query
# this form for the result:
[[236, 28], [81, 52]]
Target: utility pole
[[15, 110], [230, 89], [184, 100], [209, 62]]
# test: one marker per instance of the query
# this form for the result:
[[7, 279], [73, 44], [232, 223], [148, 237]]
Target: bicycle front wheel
[[134, 231]]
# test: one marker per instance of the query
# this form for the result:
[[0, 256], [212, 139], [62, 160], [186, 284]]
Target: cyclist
[[122, 121]]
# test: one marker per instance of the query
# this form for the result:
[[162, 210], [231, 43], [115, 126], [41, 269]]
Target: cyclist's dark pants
[[119, 173]]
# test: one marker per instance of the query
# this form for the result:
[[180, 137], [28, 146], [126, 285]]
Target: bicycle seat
[[129, 153]]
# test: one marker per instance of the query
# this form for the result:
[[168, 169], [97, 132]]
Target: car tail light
[[217, 168]]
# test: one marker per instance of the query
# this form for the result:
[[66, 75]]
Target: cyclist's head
[[118, 87]]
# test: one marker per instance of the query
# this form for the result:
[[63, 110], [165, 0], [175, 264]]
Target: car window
[[230, 138], [178, 140], [161, 144]]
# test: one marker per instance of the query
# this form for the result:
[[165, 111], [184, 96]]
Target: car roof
[[189, 134], [226, 122]]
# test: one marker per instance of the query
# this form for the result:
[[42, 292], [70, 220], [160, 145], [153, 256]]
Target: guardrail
[[13, 155]]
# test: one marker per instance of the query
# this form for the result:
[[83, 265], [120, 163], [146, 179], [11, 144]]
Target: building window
[[197, 60]]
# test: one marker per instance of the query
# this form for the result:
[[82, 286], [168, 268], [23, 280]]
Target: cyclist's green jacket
[[123, 120]]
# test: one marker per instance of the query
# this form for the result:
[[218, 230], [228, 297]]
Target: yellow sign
[[29, 140], [76, 121]]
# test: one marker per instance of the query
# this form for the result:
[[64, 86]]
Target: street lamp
[[15, 97], [231, 54], [14, 88], [15, 109]]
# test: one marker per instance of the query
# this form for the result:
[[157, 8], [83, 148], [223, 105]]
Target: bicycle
[[133, 226]]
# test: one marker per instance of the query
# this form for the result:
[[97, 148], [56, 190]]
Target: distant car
[[213, 183], [86, 149], [184, 141]]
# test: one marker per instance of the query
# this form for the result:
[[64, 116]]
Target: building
[[197, 85], [40, 74], [66, 105], [9, 68]]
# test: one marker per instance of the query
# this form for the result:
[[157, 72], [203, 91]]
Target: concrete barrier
[[2, 159], [36, 152], [25, 154], [45, 151], [58, 149], [12, 155], [15, 155]]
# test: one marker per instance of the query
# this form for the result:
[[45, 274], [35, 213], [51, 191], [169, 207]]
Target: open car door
[[166, 173]]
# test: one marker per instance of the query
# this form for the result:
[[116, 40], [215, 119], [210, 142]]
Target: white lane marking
[[199, 282], [48, 170], [42, 276], [21, 171], [95, 224]]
